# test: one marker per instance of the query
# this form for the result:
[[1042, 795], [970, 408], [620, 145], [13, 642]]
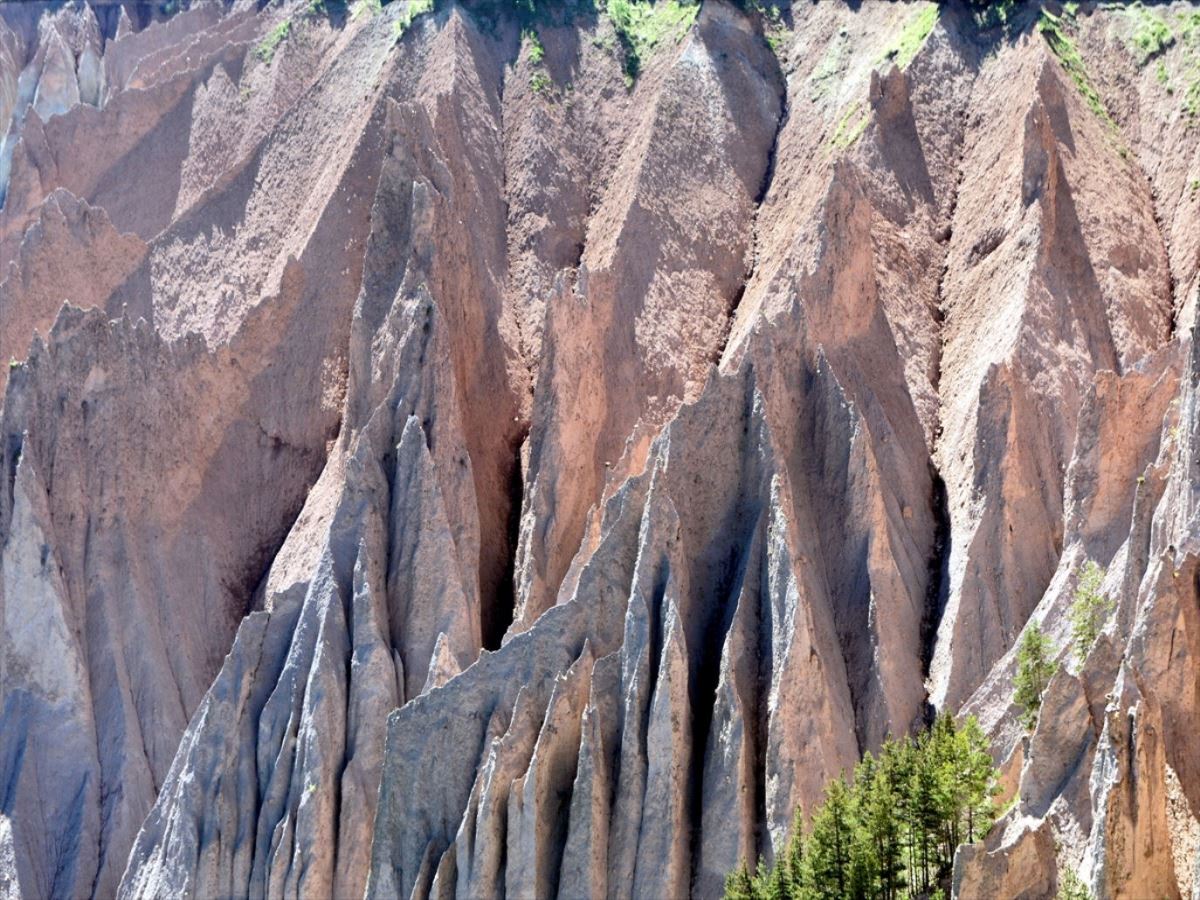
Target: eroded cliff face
[[436, 466]]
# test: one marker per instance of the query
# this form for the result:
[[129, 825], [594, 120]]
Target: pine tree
[[978, 772], [949, 791], [1034, 669], [739, 885], [768, 882], [827, 861], [878, 807], [1089, 609], [926, 814], [791, 862], [897, 759]]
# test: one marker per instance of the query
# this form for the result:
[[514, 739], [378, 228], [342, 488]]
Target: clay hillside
[[537, 448]]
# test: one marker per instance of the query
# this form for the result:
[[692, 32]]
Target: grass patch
[[1191, 100], [1189, 68], [1151, 34], [912, 36], [830, 68], [643, 25], [1189, 31], [540, 82], [850, 127], [265, 51], [1069, 57], [404, 21]]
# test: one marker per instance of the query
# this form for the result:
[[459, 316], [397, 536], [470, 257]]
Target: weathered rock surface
[[431, 465]]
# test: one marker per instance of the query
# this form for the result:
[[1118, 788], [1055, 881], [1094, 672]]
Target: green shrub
[[1151, 35], [266, 49], [536, 51], [365, 8], [1070, 887], [1035, 667], [1089, 609], [409, 15], [642, 25], [990, 14]]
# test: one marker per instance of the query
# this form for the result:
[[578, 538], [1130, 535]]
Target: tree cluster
[[892, 830]]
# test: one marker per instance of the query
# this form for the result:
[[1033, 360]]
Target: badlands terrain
[[527, 449]]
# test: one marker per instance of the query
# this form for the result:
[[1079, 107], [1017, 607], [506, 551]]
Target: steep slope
[[462, 468]]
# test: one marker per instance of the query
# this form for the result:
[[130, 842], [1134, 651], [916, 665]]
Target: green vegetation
[[540, 81], [365, 8], [12, 362], [266, 49], [1186, 37], [912, 36], [1089, 609], [775, 28], [990, 14], [405, 19], [1191, 99], [851, 126], [642, 25], [827, 72], [1151, 34], [1071, 888], [1194, 187], [1063, 47], [1035, 667], [544, 12], [536, 51], [891, 833]]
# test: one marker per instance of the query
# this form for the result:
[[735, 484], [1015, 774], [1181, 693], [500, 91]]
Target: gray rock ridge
[[683, 705]]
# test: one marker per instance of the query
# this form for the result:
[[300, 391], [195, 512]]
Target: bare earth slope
[[434, 462]]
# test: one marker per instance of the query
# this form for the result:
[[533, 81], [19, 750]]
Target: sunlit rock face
[[439, 461]]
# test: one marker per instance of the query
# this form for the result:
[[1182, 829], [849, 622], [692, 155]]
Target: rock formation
[[466, 449]]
